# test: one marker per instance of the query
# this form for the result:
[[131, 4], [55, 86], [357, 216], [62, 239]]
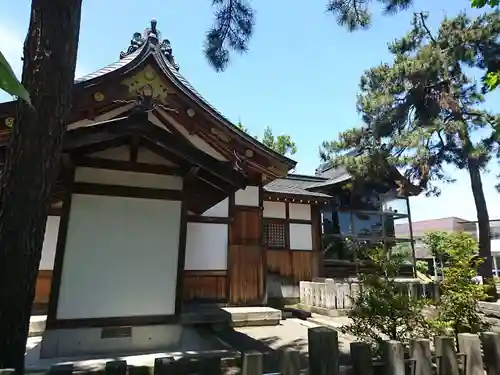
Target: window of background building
[[395, 205], [495, 230], [363, 230], [349, 235]]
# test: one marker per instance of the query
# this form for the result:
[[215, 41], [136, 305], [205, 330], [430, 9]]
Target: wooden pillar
[[324, 351], [245, 255], [317, 254], [68, 183]]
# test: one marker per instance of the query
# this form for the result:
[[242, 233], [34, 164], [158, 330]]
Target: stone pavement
[[193, 342], [270, 340], [291, 333]]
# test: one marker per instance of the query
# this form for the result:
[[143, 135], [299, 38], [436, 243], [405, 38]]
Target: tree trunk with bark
[[32, 164], [483, 220]]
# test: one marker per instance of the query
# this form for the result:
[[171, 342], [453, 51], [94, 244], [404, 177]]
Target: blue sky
[[300, 76]]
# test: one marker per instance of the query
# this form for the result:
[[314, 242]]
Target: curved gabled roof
[[152, 47], [110, 68]]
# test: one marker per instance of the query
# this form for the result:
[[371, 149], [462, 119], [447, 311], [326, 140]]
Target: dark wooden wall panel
[[246, 227], [42, 288], [279, 261], [205, 286], [301, 265], [317, 256], [246, 257], [295, 264], [246, 276]]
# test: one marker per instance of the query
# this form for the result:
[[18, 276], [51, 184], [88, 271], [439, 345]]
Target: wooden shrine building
[[163, 202]]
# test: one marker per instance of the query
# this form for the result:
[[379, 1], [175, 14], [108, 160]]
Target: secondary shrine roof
[[296, 185]]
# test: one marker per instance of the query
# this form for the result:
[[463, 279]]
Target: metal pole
[[410, 227]]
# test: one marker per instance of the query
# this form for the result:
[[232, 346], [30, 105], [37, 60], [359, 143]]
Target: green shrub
[[383, 309], [457, 310]]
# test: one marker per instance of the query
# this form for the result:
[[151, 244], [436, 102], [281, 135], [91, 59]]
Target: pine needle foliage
[[283, 144], [423, 112], [234, 22]]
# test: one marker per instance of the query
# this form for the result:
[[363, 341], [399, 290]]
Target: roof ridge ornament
[[153, 36]]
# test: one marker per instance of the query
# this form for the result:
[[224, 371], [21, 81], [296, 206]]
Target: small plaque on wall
[[116, 332]]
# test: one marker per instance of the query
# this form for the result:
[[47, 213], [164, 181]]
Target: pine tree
[[235, 19], [422, 112], [282, 144]]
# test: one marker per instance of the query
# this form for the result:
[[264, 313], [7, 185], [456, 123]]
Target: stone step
[[253, 316], [37, 325], [233, 316]]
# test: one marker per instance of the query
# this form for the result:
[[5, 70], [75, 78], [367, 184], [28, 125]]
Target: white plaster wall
[[49, 243], [120, 258], [126, 178], [193, 138], [300, 236], [156, 121], [247, 197], [299, 211], [106, 116], [118, 153], [221, 209], [146, 156], [275, 209], [206, 246]]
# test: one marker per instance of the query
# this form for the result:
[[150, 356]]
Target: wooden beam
[[209, 219], [134, 147], [193, 171]]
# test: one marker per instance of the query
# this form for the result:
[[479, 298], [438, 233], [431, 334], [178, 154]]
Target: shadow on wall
[[281, 287]]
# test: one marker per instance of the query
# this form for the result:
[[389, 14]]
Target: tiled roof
[[332, 176], [110, 68], [295, 185]]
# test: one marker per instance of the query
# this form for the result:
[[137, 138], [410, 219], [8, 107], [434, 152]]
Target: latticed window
[[275, 235]]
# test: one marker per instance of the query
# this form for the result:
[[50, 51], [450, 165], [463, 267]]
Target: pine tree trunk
[[32, 165], [483, 219]]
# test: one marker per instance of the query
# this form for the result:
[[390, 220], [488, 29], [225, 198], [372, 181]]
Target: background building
[[449, 224]]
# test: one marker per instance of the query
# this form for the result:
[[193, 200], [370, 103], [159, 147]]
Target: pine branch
[[423, 17], [234, 21]]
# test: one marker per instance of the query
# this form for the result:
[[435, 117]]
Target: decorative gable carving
[[154, 35], [145, 77]]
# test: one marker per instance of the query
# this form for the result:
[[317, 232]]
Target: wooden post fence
[[478, 354]]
